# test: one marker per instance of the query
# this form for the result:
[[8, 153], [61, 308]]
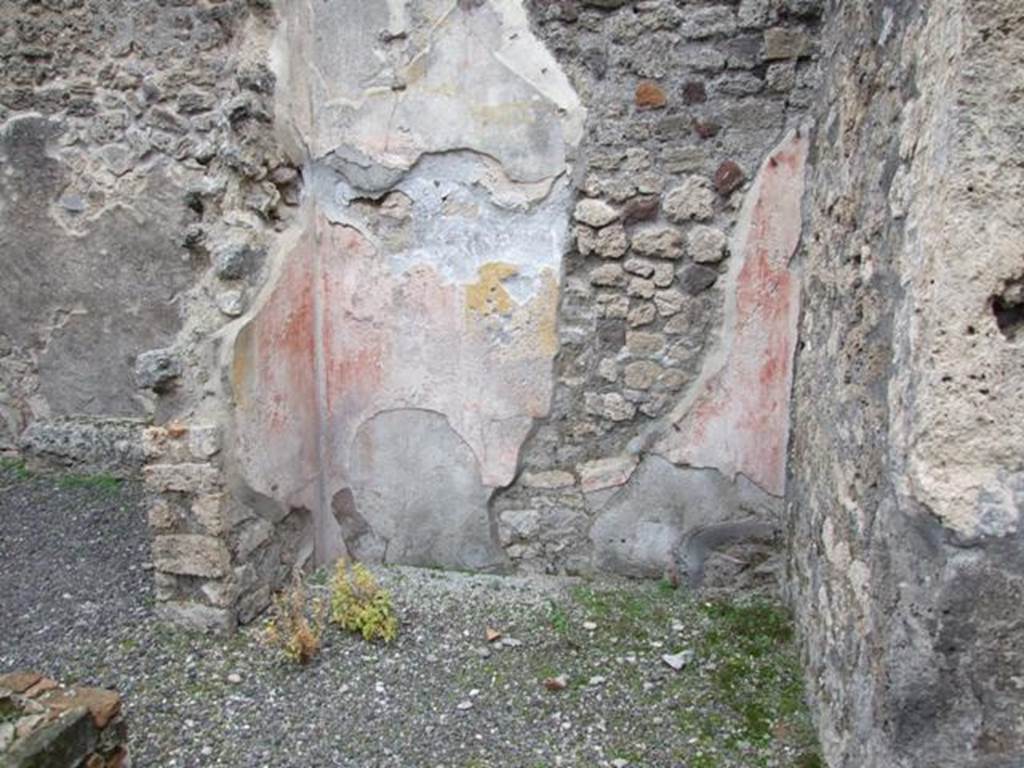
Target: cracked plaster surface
[[423, 277]]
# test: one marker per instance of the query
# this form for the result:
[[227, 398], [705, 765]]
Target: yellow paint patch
[[487, 296], [548, 311]]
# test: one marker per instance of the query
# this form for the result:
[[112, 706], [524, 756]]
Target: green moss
[[98, 482], [748, 646], [637, 613], [558, 619], [810, 760], [16, 467]]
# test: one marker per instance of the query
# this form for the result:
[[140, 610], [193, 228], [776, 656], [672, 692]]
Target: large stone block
[[785, 43], [182, 478], [191, 555], [210, 511], [66, 741], [103, 705], [87, 444]]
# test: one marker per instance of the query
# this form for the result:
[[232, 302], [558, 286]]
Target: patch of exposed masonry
[[678, 312], [419, 293]]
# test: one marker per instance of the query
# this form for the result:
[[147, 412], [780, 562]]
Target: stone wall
[[217, 555], [473, 284], [142, 188], [440, 371], [665, 299], [905, 495], [140, 177]]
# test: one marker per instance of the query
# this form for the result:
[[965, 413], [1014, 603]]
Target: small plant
[[559, 618], [296, 625], [359, 604]]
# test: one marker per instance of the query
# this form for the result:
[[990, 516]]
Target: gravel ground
[[76, 605]]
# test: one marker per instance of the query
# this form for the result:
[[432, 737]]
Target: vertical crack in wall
[[322, 537]]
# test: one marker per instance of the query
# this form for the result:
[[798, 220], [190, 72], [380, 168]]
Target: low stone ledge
[[43, 723]]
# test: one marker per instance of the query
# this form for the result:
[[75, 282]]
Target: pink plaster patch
[[405, 341], [274, 386], [341, 339], [739, 420]]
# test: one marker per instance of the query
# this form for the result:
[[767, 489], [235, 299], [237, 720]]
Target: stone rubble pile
[[44, 724]]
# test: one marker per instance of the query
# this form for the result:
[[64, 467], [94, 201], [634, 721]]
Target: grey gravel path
[[76, 605]]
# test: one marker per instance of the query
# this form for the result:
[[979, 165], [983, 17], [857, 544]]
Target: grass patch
[[98, 482], [756, 691], [16, 467], [319, 578], [638, 613], [558, 619]]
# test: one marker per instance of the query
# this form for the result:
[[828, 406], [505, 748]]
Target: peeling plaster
[[423, 278], [736, 418]]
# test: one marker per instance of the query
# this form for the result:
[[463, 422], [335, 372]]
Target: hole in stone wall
[[1008, 308]]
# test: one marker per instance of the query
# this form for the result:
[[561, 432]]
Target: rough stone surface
[[191, 555], [692, 200], [595, 213], [650, 95], [120, 171], [605, 473], [609, 242], [904, 497], [69, 739], [706, 245], [728, 178], [661, 242], [784, 43], [697, 278], [87, 444], [157, 369]]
